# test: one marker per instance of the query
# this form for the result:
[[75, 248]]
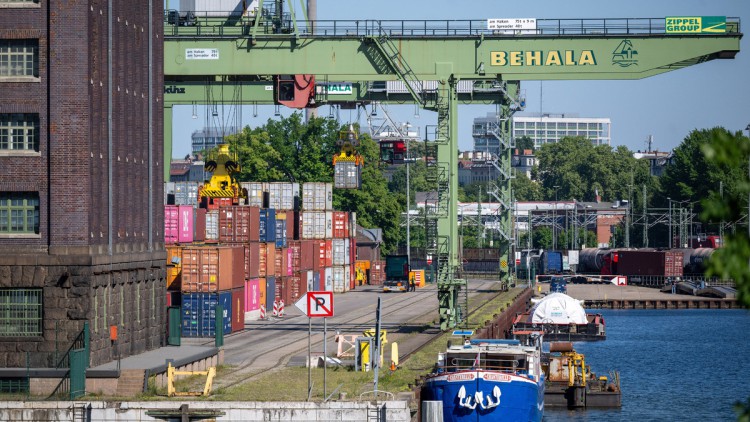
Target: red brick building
[[81, 202]]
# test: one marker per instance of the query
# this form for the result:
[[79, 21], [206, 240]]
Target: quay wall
[[100, 411]]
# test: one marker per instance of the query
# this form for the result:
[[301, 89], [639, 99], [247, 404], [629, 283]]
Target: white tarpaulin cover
[[558, 308]]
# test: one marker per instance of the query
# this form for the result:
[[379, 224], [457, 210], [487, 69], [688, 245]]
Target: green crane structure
[[441, 63]]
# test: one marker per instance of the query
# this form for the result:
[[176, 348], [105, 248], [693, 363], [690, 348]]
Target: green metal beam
[[526, 58]]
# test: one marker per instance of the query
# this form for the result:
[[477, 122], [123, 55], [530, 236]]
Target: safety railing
[[204, 24]]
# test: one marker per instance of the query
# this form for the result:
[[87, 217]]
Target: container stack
[[246, 257]]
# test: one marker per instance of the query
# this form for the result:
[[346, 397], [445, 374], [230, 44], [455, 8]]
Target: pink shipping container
[[185, 230], [171, 224], [252, 295], [340, 224], [212, 269]]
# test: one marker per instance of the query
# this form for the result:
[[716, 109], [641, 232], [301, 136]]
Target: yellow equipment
[[171, 372], [223, 165]]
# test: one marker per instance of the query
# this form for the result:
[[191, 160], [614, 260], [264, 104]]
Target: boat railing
[[501, 365]]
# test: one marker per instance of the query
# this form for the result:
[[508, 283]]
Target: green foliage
[[541, 238], [729, 154], [525, 189], [523, 143], [580, 169], [290, 150]]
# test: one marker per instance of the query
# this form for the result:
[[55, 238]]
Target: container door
[[175, 319]]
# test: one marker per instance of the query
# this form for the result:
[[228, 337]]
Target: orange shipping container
[[212, 269], [174, 277], [262, 293], [174, 254], [270, 259], [262, 260]]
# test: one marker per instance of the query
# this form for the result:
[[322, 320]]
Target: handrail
[[233, 24]]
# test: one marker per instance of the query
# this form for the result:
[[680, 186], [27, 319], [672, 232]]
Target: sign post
[[316, 305]]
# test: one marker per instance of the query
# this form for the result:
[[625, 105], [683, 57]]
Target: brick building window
[[19, 212], [19, 132], [19, 58], [20, 312]]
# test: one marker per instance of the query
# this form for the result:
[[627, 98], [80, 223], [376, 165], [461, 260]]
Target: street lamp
[[405, 134], [669, 236], [554, 222]]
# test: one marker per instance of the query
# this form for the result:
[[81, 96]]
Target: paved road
[[265, 345]]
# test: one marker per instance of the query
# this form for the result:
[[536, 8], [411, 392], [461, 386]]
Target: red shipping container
[[279, 267], [271, 260], [280, 290], [296, 288], [295, 249], [254, 228], [200, 225], [252, 260], [289, 264], [238, 309], [340, 224], [234, 224], [377, 273], [323, 253], [307, 255], [211, 269], [252, 294]]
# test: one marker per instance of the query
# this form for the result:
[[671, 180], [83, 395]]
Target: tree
[[525, 189], [524, 143], [731, 152]]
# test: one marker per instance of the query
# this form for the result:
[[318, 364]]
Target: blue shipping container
[[552, 262], [270, 292], [281, 233], [199, 313], [267, 225]]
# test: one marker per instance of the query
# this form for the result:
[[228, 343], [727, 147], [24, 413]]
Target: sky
[[666, 106]]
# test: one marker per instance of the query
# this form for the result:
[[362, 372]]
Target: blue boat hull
[[501, 396]]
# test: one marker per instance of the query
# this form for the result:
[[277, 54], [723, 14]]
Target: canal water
[[675, 365]]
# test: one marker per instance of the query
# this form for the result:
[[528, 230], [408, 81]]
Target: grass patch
[[291, 383]]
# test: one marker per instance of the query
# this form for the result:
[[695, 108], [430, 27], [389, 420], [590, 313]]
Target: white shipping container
[[212, 225], [328, 282], [347, 175], [347, 277], [339, 252], [212, 8], [310, 280], [316, 224], [281, 195], [353, 224], [254, 193], [317, 196], [339, 278], [186, 193], [168, 189]]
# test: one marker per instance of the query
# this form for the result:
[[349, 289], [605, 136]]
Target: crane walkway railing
[[207, 24]]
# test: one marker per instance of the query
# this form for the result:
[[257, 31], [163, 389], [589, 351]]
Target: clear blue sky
[[667, 106]]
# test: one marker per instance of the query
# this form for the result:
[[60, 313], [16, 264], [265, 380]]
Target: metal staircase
[[396, 61]]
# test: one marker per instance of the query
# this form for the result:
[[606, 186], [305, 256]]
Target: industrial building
[[81, 202]]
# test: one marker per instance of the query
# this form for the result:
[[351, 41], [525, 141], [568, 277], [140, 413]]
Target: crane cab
[[393, 151]]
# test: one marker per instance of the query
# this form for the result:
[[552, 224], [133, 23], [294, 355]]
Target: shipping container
[[295, 251], [551, 262], [281, 195], [252, 299], [271, 260], [263, 260], [341, 278], [212, 226], [174, 298], [267, 225], [278, 263], [174, 277], [211, 269], [309, 280], [648, 263], [185, 224], [326, 282], [297, 288], [252, 260], [169, 193], [199, 225], [281, 236], [341, 254], [353, 224], [213, 8], [316, 225], [263, 293], [252, 294], [238, 310], [322, 254], [270, 294], [171, 224], [347, 175], [186, 193], [254, 193], [234, 224], [174, 254], [340, 224], [292, 226], [307, 255], [289, 262], [376, 274], [199, 313], [317, 196]]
